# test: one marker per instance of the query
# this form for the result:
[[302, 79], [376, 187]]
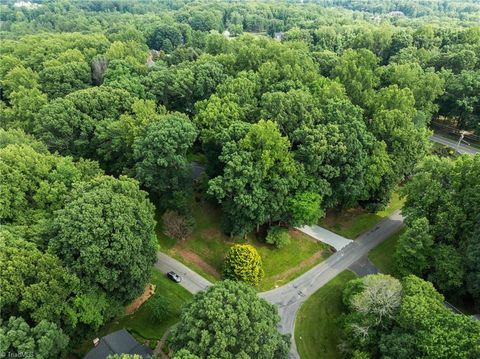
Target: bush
[[176, 225], [278, 236], [159, 307], [243, 263]]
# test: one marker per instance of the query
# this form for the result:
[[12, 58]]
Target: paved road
[[325, 236], [363, 267], [191, 281], [453, 144], [290, 297]]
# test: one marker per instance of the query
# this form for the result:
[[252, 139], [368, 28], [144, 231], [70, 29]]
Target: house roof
[[119, 342]]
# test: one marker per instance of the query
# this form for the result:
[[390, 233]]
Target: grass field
[[317, 330], [207, 246], [382, 255], [353, 222], [140, 324]]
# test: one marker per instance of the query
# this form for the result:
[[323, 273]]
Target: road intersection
[[289, 297]]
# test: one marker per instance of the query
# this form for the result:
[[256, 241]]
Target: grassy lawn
[[317, 331], [382, 255], [207, 246], [283, 265], [140, 323], [353, 222]]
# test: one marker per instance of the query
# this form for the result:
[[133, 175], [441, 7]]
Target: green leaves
[[405, 319], [356, 71], [413, 253], [35, 285], [243, 263], [442, 216], [43, 340], [228, 321], [258, 178], [105, 234], [305, 208], [278, 236], [69, 124], [160, 155]]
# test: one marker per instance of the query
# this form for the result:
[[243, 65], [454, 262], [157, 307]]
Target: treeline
[[102, 100], [76, 246], [442, 239], [406, 318], [420, 8], [391, 318]]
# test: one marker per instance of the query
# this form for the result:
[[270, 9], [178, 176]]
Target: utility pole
[[462, 135]]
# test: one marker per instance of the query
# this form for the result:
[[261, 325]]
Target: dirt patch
[[137, 303], [197, 260], [305, 263]]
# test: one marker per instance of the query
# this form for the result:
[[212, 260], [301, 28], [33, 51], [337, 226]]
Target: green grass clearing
[[207, 246], [353, 222], [284, 265], [317, 330], [382, 255], [140, 324]]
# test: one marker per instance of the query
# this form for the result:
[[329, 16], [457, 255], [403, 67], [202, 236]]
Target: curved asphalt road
[[289, 297]]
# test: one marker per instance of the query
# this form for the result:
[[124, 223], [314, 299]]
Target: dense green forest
[[291, 108]]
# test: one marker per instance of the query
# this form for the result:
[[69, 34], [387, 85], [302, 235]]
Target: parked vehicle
[[174, 276]]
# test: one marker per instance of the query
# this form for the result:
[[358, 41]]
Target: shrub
[[176, 225], [243, 263], [159, 307], [278, 236]]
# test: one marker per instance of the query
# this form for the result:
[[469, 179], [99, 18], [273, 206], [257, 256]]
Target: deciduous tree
[[105, 234], [42, 341], [414, 250], [230, 320], [160, 153]]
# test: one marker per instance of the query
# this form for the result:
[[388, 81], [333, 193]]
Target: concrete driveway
[[325, 236], [289, 297]]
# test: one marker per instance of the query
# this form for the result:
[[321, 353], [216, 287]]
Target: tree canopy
[[105, 234], [390, 318], [273, 112], [442, 217], [229, 320]]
